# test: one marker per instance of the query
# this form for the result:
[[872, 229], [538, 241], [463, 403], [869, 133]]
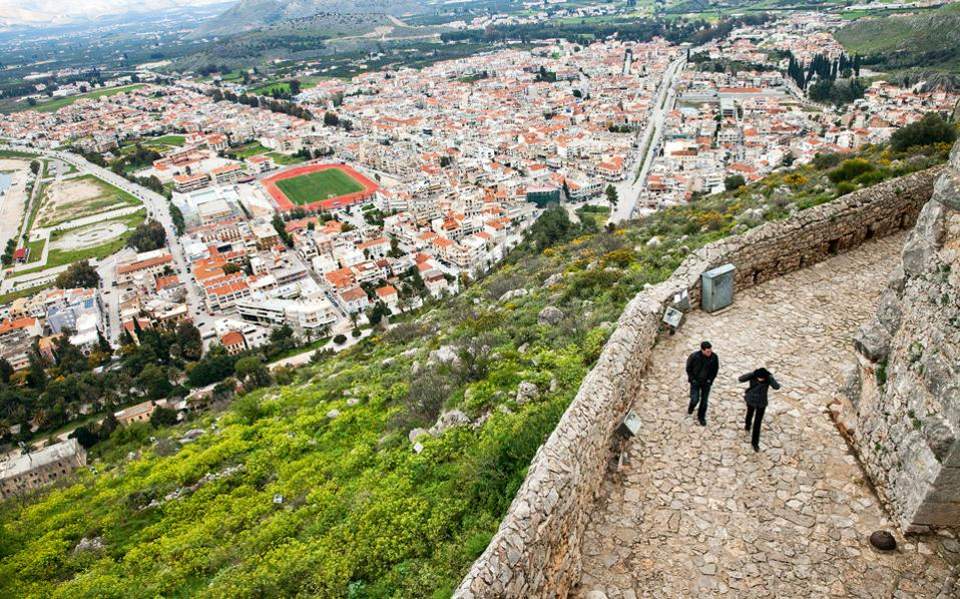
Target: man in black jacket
[[760, 381], [702, 368]]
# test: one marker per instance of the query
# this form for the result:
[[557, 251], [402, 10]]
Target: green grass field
[[59, 103], [318, 186]]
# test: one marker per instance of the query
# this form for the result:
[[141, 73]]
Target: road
[[629, 189]]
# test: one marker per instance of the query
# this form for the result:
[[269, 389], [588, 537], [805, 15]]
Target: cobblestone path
[[696, 513]]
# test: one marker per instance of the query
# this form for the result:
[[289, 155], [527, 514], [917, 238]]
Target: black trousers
[[699, 392], [756, 415]]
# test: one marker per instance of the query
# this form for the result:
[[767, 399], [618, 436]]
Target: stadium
[[318, 187]]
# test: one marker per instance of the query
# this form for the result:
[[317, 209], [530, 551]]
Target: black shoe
[[689, 411], [746, 428], [756, 448], [702, 422]]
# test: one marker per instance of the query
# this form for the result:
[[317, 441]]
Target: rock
[[191, 435], [416, 434], [409, 353], [514, 294], [883, 540], [353, 401], [595, 594], [91, 544], [445, 354], [550, 316], [526, 391], [387, 362], [523, 348], [921, 247], [333, 414], [553, 279], [873, 342], [448, 420], [888, 311], [851, 383], [417, 447], [654, 241]]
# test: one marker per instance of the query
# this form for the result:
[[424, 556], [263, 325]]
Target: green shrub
[[931, 129], [850, 169]]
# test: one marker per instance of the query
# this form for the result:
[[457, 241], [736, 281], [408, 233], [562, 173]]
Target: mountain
[[37, 13], [925, 42], [253, 14]]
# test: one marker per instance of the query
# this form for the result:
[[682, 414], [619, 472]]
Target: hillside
[[314, 486], [926, 41], [252, 14]]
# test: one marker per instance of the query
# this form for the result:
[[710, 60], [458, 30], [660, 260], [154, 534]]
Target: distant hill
[[923, 42], [254, 14]]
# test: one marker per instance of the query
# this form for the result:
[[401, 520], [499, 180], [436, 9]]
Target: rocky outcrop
[[536, 551], [901, 409]]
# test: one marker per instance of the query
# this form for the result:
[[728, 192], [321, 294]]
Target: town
[[306, 223]]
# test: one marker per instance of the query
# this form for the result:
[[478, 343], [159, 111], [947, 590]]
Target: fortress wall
[[536, 551], [902, 405]]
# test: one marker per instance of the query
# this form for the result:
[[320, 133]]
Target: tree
[[734, 182], [552, 227], [281, 229], [154, 381], [294, 87], [251, 372], [191, 342], [37, 373], [103, 344], [931, 129], [79, 274], [84, 437], [230, 268], [612, 195], [148, 236], [34, 166], [378, 312], [162, 416], [6, 370]]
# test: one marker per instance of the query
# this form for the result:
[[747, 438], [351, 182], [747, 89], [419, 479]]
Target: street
[[629, 189]]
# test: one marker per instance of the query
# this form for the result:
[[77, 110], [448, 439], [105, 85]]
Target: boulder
[[416, 434], [526, 391], [445, 354], [514, 294], [353, 401], [333, 414], [91, 544], [654, 241], [553, 279], [873, 342], [550, 316], [448, 420]]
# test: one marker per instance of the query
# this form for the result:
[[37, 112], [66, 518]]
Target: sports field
[[318, 187], [321, 185]]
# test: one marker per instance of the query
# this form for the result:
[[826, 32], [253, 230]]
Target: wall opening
[[870, 232], [833, 248]]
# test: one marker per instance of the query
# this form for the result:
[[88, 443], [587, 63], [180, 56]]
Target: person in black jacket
[[760, 381], [702, 368]]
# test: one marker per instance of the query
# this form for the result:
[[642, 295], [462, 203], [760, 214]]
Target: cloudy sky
[[37, 12]]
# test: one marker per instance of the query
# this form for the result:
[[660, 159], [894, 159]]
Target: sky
[[38, 12]]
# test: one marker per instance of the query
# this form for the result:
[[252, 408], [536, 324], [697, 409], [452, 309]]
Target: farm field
[[321, 185]]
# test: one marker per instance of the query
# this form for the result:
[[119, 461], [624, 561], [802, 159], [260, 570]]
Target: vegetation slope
[[922, 45], [313, 488]]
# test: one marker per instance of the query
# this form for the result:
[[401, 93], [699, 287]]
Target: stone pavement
[[696, 513]]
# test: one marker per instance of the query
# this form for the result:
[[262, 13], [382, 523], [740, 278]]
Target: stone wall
[[902, 404], [536, 551]]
